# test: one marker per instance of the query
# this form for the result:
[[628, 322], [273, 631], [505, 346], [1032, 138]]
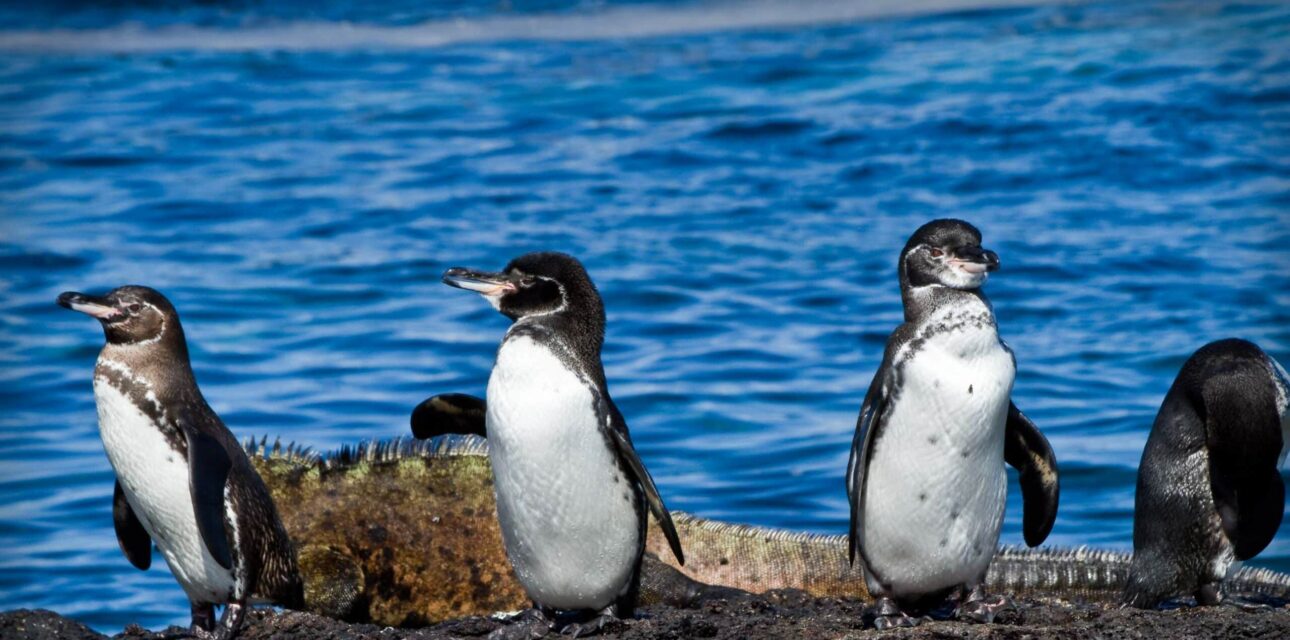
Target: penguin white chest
[[566, 508], [935, 486], [154, 478]]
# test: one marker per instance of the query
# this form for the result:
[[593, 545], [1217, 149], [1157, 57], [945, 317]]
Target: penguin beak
[[89, 305], [487, 284], [974, 259]]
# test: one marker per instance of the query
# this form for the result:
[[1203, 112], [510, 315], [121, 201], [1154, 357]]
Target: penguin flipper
[[1027, 450], [135, 542], [875, 401], [449, 413], [208, 469], [628, 454], [617, 428], [1246, 486]]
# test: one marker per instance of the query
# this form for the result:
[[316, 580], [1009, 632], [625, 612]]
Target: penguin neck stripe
[[127, 375], [147, 341], [564, 302], [154, 339]]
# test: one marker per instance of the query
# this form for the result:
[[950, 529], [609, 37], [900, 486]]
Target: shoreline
[[777, 614]]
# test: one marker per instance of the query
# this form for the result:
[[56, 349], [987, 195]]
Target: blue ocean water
[[737, 178]]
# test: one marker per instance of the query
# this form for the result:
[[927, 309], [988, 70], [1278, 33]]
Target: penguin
[[182, 480], [571, 490], [926, 480], [449, 413], [1209, 492]]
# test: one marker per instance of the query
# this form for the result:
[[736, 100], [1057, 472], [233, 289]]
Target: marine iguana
[[404, 533]]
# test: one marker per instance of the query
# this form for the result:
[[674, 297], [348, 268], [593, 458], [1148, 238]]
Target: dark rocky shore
[[769, 616]]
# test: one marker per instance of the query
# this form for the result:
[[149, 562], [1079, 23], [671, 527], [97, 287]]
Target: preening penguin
[[183, 481], [571, 490], [449, 413], [926, 478], [1209, 493]]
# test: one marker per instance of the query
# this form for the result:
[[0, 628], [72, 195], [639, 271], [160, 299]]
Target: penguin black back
[[1209, 493], [1228, 386]]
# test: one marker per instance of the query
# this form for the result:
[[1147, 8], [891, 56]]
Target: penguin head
[[946, 252], [535, 284], [129, 314]]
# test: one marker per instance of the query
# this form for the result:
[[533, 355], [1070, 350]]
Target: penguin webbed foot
[[1247, 605], [888, 615], [171, 633], [202, 627], [588, 628], [589, 622], [883, 623], [976, 607], [529, 624], [1210, 595], [230, 622]]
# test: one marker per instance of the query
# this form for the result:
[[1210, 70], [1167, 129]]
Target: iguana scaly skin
[[405, 533]]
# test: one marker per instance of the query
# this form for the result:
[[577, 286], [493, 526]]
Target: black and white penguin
[[1209, 493], [571, 491], [926, 478], [183, 482]]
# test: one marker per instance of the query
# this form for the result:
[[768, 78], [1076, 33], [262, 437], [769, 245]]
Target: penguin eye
[[528, 281], [936, 253], [133, 307]]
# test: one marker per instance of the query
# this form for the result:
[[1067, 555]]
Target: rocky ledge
[[784, 614]]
